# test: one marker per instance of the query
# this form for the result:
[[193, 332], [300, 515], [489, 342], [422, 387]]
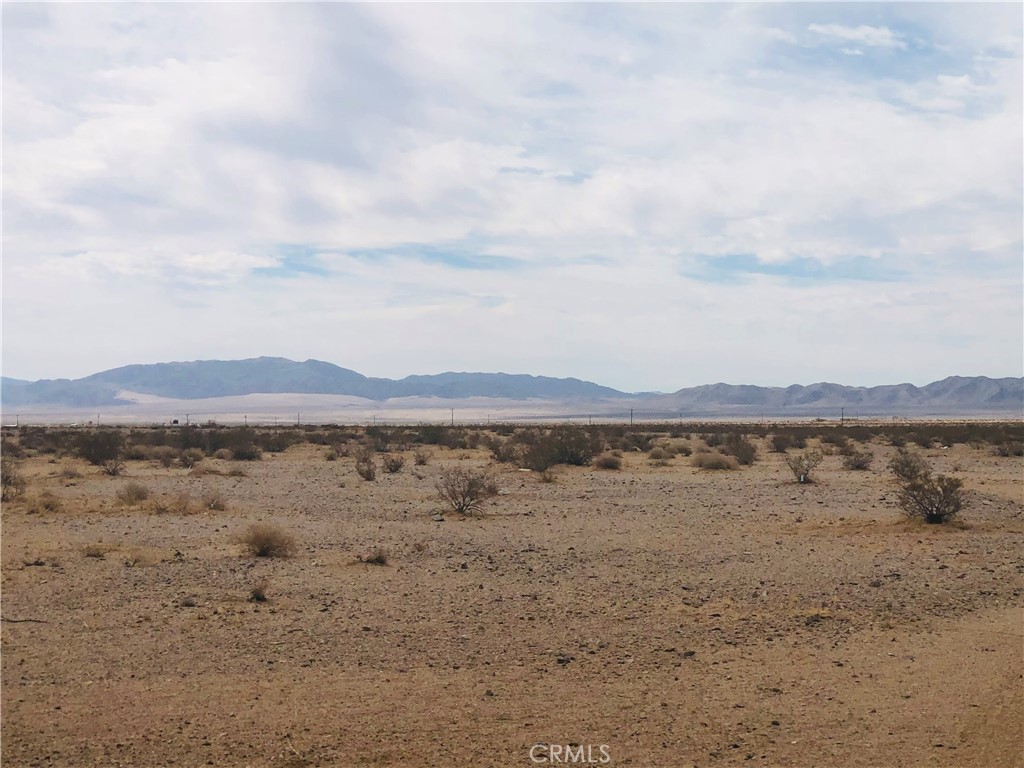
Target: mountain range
[[269, 375]]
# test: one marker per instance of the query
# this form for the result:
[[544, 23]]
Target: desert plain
[[674, 616]]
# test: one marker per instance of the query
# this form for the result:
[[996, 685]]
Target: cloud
[[427, 179], [871, 37]]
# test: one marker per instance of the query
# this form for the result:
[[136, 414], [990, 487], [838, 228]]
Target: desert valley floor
[[676, 616]]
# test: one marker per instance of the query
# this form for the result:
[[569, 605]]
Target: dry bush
[[165, 455], [713, 460], [266, 540], [331, 455], [781, 442], [12, 482], [421, 458], [393, 463], [1009, 449], [366, 464], [68, 473], [465, 489], [376, 556], [258, 593], [131, 494], [236, 472], [608, 461], [801, 464], [742, 449], [934, 498], [859, 460], [113, 467], [47, 502], [178, 505], [246, 453], [223, 454], [190, 457], [214, 500], [95, 550], [659, 454]]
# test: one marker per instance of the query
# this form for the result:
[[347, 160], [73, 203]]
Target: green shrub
[[934, 498]]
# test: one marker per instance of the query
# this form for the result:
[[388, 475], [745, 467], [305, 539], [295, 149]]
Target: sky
[[645, 196]]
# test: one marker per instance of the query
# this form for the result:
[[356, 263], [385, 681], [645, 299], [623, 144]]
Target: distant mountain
[[275, 375], [217, 378], [955, 394]]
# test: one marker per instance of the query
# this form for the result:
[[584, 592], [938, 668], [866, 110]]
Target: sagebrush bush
[[420, 458], [713, 460], [465, 489], [266, 540], [190, 457]]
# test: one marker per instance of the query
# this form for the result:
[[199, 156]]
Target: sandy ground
[[678, 617]]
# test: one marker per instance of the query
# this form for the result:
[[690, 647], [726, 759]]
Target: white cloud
[[872, 37], [153, 150]]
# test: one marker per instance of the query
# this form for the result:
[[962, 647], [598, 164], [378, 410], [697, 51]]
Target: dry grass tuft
[[266, 540]]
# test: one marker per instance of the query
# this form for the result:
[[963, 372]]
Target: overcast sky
[[649, 197]]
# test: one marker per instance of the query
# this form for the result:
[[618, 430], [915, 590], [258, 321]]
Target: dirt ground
[[674, 616]]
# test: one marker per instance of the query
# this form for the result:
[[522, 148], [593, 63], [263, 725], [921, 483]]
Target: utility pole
[[453, 417], [842, 416], [297, 418], [631, 417]]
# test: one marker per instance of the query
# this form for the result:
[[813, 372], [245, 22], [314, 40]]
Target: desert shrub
[[190, 457], [741, 448], [608, 461], [113, 467], [897, 441], [907, 466], [366, 465], [393, 463], [684, 449], [504, 451], [465, 489], [247, 452], [136, 452], [101, 446], [68, 472], [258, 593], [659, 454], [47, 502], [859, 459], [12, 482], [215, 501], [1009, 449], [165, 455], [224, 454], [934, 498], [266, 540], [801, 464], [133, 493], [331, 455], [236, 472], [95, 550], [713, 460], [781, 442], [376, 556], [178, 505], [420, 458], [564, 444]]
